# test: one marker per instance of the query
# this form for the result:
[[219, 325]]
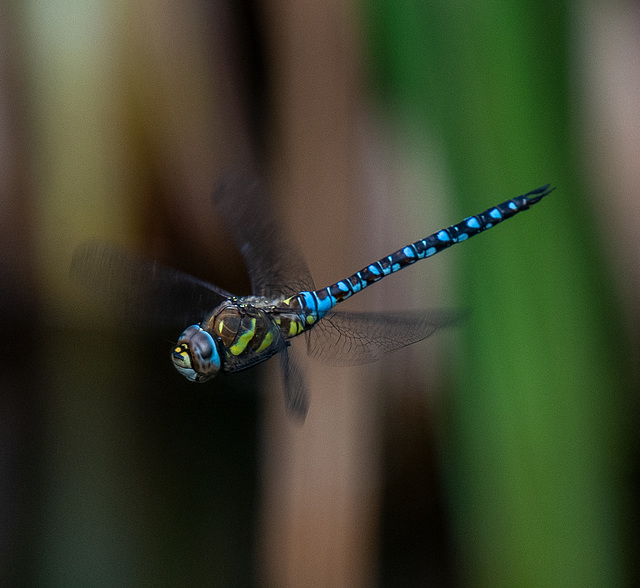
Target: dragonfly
[[226, 333]]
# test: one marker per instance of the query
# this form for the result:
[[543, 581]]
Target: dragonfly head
[[196, 355]]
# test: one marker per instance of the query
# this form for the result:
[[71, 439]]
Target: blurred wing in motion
[[143, 290], [275, 265], [295, 389]]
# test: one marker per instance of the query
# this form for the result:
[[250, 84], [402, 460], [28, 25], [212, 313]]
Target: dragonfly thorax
[[237, 334], [244, 329]]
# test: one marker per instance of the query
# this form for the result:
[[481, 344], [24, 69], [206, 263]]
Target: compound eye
[[202, 346], [196, 356]]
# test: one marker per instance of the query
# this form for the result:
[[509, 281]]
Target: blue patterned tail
[[318, 303]]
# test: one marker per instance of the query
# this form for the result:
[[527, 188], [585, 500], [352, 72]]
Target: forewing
[[350, 338], [143, 290], [275, 266]]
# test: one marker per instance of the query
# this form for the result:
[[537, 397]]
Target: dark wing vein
[[349, 338]]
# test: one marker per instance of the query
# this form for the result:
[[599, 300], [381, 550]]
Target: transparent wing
[[295, 389], [349, 338], [275, 266], [143, 290]]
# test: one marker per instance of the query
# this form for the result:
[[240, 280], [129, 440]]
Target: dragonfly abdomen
[[316, 304]]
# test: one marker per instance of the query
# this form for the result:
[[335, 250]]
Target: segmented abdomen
[[317, 304]]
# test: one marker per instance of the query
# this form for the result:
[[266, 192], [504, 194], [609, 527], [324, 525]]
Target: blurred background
[[499, 453]]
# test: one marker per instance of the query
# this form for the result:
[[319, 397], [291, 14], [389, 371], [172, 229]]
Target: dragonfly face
[[196, 355]]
